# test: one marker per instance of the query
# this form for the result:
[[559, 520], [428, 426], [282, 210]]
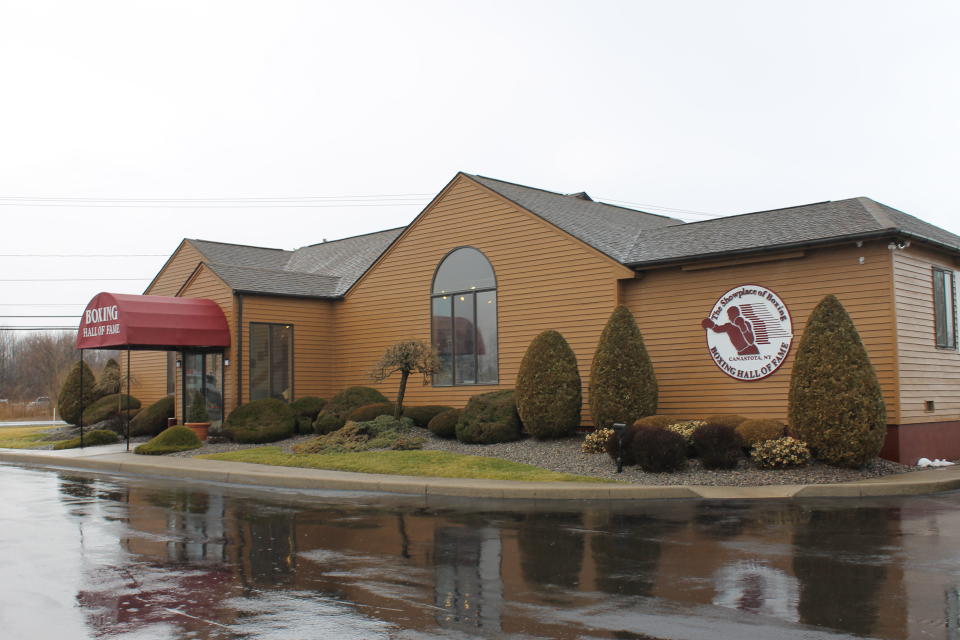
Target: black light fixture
[[618, 429]]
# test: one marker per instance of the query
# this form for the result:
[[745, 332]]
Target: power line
[[23, 328], [42, 316], [656, 206], [380, 196], [69, 279], [84, 255], [42, 304], [77, 205]]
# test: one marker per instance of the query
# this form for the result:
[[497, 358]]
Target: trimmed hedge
[[731, 419], [422, 416], [153, 419], [489, 418], [658, 421], [334, 413], [107, 407], [718, 446], [753, 432], [444, 425], [659, 450], [307, 407], [69, 402], [264, 420], [624, 447], [90, 439], [836, 404], [623, 386], [548, 393], [178, 438], [370, 411]]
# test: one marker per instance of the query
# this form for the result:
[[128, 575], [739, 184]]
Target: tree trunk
[[404, 374]]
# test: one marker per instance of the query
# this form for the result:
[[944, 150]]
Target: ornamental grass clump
[[548, 390], [836, 404], [756, 431], [659, 450], [489, 418], [596, 441], [171, 440], [264, 420], [153, 419], [718, 446], [444, 425], [623, 386], [780, 453], [90, 439]]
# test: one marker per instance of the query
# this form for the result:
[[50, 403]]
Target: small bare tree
[[406, 357]]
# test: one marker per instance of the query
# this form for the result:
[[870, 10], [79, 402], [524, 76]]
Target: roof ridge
[[875, 209], [237, 244], [282, 271], [359, 235]]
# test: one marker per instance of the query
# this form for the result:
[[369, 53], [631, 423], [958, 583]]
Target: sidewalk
[[115, 459]]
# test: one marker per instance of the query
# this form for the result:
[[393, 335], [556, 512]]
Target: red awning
[[160, 323]]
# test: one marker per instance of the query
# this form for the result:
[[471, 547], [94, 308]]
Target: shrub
[[370, 411], [659, 450], [489, 418], [171, 440], [731, 420], [836, 404], [658, 421], [334, 413], [264, 420], [108, 407], [90, 439], [780, 453], [686, 429], [718, 446], [109, 382], [305, 410], [444, 425], [752, 432], [153, 419], [422, 416], [623, 386], [624, 445], [197, 411], [384, 432], [69, 401], [596, 441], [549, 396]]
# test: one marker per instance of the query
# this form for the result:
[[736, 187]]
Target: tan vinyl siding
[[926, 371], [150, 367], [545, 280], [670, 303], [314, 367]]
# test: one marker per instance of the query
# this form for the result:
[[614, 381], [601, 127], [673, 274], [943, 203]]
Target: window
[[944, 308], [464, 319], [203, 373], [271, 361], [171, 372]]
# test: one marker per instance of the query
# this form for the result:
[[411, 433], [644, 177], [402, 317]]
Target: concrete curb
[[246, 474]]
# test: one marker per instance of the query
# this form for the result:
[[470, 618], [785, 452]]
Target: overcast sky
[[353, 114]]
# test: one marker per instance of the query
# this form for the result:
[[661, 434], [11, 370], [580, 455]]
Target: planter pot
[[199, 428]]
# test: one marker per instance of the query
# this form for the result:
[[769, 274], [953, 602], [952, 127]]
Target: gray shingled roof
[[795, 226], [604, 227], [325, 270]]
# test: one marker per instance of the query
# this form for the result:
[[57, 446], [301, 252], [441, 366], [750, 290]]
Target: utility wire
[[68, 279], [78, 205], [42, 316], [83, 255], [381, 196]]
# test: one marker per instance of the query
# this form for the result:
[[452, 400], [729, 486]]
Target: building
[[488, 265]]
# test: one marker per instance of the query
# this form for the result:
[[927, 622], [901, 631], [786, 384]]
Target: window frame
[[949, 301], [292, 351], [473, 293]]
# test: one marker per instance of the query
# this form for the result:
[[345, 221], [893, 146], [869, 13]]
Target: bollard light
[[618, 429]]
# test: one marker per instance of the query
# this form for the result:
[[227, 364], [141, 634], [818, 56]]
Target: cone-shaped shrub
[[836, 404], [109, 382], [623, 386], [548, 395], [153, 419], [69, 402]]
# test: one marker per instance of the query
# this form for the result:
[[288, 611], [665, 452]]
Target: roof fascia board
[[267, 294], [167, 264], [195, 273]]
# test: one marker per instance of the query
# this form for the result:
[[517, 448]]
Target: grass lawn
[[435, 464], [22, 437]]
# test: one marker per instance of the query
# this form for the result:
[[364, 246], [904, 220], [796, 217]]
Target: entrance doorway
[[203, 372]]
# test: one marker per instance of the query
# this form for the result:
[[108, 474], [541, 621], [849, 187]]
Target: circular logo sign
[[749, 332]]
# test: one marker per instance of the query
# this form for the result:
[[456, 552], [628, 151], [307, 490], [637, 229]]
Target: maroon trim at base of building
[[907, 443]]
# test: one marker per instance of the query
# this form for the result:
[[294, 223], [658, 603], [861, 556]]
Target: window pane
[[192, 378], [259, 361], [171, 372], [443, 338], [463, 270], [487, 336], [213, 387], [944, 312], [464, 340], [281, 341]]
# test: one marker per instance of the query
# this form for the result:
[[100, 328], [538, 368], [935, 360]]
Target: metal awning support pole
[[81, 398], [128, 399]]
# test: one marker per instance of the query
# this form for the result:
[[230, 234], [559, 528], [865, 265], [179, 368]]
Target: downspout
[[239, 348]]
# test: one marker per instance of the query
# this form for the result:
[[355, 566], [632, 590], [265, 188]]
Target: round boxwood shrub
[[171, 440], [623, 445], [659, 450], [489, 418], [836, 404], [90, 439], [422, 416], [658, 421], [729, 419], [444, 425], [69, 402], [549, 396], [370, 411], [623, 386], [153, 419], [753, 432], [109, 406], [334, 413], [264, 420], [718, 446], [306, 409]]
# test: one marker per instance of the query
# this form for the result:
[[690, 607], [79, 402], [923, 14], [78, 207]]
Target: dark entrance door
[[203, 372]]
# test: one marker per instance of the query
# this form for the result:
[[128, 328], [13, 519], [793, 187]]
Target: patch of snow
[[937, 462]]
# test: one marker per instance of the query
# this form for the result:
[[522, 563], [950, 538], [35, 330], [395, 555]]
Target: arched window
[[463, 306]]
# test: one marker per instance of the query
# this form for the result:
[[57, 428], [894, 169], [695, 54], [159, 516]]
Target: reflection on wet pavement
[[91, 557]]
